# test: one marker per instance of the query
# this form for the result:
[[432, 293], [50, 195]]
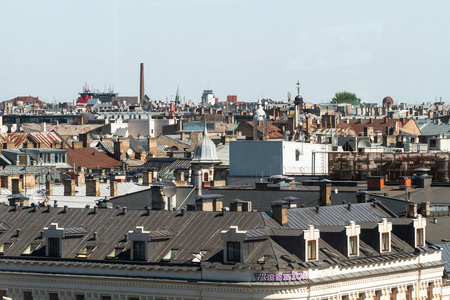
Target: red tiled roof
[[91, 158], [377, 124], [272, 131]]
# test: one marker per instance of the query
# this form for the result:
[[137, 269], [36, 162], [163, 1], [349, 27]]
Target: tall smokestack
[[142, 84]]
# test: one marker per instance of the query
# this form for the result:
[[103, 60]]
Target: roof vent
[[88, 206], [65, 209], [55, 204], [147, 208], [183, 211], [18, 233], [317, 209], [124, 210], [94, 236], [349, 207], [95, 209], [33, 207]]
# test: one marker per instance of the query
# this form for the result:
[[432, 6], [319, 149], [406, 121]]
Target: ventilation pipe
[[198, 182]]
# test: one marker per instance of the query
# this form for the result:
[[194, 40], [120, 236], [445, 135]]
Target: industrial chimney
[[142, 94]]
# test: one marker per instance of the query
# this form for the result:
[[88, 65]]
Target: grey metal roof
[[429, 128], [446, 256], [122, 132], [338, 215]]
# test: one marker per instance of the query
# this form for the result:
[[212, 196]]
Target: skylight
[[30, 249], [115, 253], [86, 252], [170, 255], [4, 248]]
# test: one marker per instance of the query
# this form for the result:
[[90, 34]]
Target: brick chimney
[[153, 146], [93, 187], [69, 187], [17, 186], [325, 193], [425, 209], [86, 139], [208, 204], [279, 211], [113, 188], [147, 177]]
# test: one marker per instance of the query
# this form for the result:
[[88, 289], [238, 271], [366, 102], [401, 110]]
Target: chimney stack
[[142, 94], [69, 187], [279, 212], [93, 187], [325, 193], [49, 187], [113, 188]]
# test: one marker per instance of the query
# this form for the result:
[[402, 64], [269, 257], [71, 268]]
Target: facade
[[266, 158], [297, 253]]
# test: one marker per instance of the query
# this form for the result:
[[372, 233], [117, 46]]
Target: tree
[[345, 97]]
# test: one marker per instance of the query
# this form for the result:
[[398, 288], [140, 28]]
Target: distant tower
[[177, 97], [142, 94]]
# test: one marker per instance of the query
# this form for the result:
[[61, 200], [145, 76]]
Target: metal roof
[[338, 215]]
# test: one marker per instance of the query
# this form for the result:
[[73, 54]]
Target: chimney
[[208, 204], [279, 212], [362, 196], [86, 139], [93, 187], [69, 187], [153, 146], [425, 209], [142, 92], [49, 187], [412, 210], [375, 183], [147, 177], [17, 186], [325, 193], [79, 178], [113, 188]]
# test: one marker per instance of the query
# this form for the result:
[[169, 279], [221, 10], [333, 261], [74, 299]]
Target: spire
[[177, 97]]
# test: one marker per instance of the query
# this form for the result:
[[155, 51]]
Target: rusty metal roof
[[91, 158]]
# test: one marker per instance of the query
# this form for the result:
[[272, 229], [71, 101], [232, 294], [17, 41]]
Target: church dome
[[298, 100], [205, 151]]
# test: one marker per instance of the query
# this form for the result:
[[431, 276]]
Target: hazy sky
[[251, 48]]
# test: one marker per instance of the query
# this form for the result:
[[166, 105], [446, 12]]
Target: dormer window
[[353, 242], [384, 229], [419, 237], [385, 242], [233, 247], [139, 243], [352, 232], [312, 248], [54, 236], [311, 237], [419, 227], [234, 251]]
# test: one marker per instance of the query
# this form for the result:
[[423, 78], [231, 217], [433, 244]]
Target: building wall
[[256, 158]]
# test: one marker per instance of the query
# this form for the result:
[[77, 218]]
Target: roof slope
[[91, 158]]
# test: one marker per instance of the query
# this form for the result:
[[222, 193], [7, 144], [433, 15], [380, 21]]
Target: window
[[115, 253], [86, 252], [205, 177], [27, 296], [170, 255], [385, 241], [106, 297], [53, 247], [432, 143], [233, 251], [30, 249], [4, 247], [312, 247], [53, 296], [353, 245], [419, 237], [79, 297], [139, 250]]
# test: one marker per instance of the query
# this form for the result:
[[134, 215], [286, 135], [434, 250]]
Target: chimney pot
[[124, 210], [126, 237], [94, 237], [18, 232], [317, 209], [95, 209], [182, 211], [349, 206], [65, 209]]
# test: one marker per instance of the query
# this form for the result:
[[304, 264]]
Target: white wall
[[294, 164]]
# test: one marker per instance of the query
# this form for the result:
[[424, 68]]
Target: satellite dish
[[129, 151], [4, 129], [169, 189], [13, 128], [39, 196]]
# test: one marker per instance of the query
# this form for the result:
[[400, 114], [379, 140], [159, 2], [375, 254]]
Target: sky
[[250, 48]]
